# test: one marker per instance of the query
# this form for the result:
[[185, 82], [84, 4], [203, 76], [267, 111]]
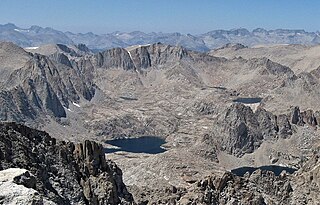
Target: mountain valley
[[216, 111]]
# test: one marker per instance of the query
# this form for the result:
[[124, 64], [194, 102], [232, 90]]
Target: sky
[[184, 16]]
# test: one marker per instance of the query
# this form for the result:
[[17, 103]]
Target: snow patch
[[144, 45], [31, 48], [67, 109], [130, 55], [75, 104], [21, 30]]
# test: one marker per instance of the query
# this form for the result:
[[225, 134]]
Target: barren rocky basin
[[177, 124]]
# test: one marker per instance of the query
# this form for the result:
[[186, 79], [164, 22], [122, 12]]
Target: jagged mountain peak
[[53, 49], [8, 26], [12, 56], [36, 35], [10, 47]]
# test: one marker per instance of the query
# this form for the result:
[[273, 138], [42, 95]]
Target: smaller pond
[[214, 87], [128, 98], [248, 100], [219, 87], [273, 168], [146, 144]]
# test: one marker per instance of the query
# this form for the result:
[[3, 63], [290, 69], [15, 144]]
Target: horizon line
[[117, 31]]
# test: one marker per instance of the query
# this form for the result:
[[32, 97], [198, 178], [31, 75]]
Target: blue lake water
[[146, 144], [248, 100], [274, 168]]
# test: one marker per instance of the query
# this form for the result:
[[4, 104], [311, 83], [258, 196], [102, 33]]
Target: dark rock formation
[[141, 57], [83, 47], [268, 123], [235, 47], [239, 130], [285, 128], [309, 117], [65, 173], [61, 58], [296, 116], [270, 67], [26, 179], [68, 50]]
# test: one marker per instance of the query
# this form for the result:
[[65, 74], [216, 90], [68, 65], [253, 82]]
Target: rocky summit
[[38, 169], [159, 123]]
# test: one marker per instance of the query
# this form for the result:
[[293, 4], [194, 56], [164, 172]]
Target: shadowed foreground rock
[[64, 173]]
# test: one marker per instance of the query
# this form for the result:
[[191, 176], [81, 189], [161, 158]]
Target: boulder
[[17, 188]]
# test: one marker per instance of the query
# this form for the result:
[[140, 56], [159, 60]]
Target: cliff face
[[240, 130], [139, 57], [65, 173], [34, 85], [114, 58]]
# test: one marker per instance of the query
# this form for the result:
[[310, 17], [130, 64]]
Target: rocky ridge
[[64, 173], [36, 36], [41, 86]]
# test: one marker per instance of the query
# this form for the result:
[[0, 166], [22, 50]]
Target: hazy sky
[[186, 16]]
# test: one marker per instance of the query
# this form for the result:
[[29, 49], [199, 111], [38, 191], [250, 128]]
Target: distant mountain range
[[35, 36]]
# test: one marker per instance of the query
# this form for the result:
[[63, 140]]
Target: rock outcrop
[[270, 67], [296, 117], [114, 58], [258, 188], [65, 173], [306, 117], [306, 182], [239, 130], [17, 187]]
